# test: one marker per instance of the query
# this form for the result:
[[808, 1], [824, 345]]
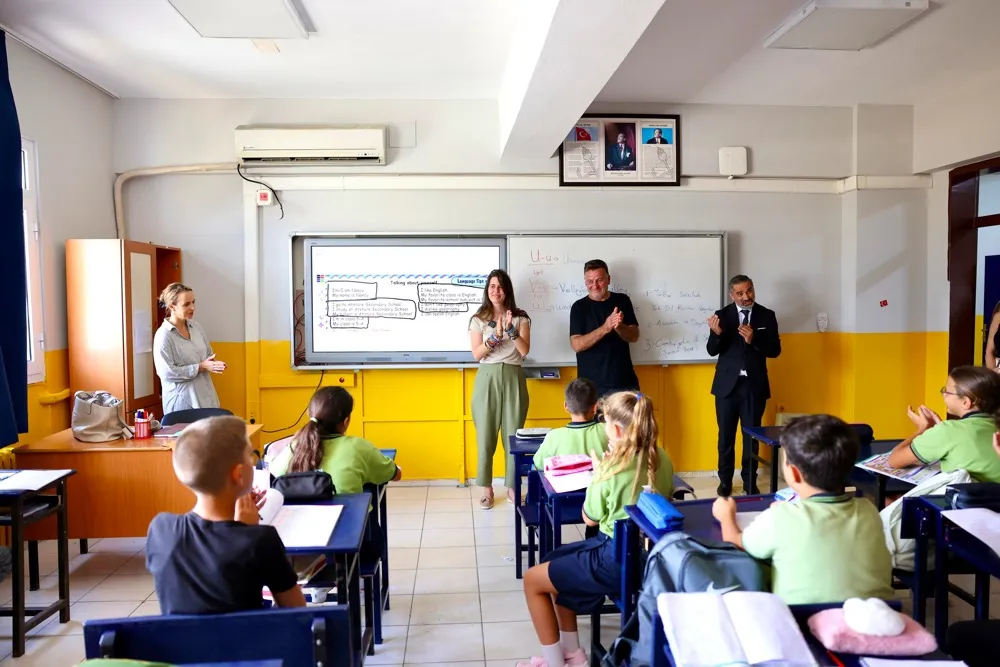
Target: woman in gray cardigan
[[183, 356]]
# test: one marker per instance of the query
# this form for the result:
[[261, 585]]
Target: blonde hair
[[169, 296], [633, 411], [207, 450]]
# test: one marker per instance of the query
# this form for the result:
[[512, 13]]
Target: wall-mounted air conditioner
[[311, 146]]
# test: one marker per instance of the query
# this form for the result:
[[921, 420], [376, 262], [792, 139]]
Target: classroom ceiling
[[710, 51], [693, 51]]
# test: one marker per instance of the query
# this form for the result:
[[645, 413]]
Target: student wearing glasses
[[972, 394]]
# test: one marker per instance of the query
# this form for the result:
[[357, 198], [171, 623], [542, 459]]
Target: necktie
[[745, 315]]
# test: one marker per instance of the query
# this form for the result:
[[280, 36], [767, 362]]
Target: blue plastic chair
[[300, 637]]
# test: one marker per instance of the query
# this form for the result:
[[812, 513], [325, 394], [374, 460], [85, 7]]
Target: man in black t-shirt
[[216, 558], [601, 326]]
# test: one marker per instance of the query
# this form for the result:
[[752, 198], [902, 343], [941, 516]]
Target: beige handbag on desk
[[97, 417]]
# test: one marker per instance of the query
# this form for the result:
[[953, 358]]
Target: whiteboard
[[394, 299], [675, 283]]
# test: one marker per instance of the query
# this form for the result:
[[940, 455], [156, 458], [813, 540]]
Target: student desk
[[121, 485], [771, 435], [242, 663], [18, 509], [698, 519], [923, 522], [343, 550], [663, 658]]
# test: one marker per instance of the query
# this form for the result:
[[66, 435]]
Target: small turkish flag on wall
[[883, 303]]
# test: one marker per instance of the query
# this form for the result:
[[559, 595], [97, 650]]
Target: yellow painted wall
[[425, 413]]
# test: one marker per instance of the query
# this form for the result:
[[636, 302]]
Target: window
[[33, 262]]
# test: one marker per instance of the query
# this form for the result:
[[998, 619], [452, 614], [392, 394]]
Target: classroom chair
[[681, 489], [299, 637], [192, 415], [627, 556], [529, 513]]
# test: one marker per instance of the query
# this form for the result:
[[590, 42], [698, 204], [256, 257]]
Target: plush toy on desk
[[870, 627]]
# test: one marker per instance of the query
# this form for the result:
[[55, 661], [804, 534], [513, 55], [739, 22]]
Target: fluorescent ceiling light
[[243, 19], [844, 25]]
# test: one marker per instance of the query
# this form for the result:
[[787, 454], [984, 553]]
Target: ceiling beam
[[563, 53]]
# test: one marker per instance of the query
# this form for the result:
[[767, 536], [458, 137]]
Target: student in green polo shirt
[[584, 434], [972, 393], [351, 462], [577, 577], [826, 545]]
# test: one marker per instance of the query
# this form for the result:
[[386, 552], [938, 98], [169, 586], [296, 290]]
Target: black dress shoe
[[751, 489], [724, 490]]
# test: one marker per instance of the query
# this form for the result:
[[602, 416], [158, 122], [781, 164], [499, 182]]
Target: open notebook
[[738, 629], [299, 526]]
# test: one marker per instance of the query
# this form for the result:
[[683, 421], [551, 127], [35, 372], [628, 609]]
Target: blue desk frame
[[923, 522], [343, 550]]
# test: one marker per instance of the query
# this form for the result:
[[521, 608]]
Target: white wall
[[938, 297], [788, 243], [958, 125], [71, 123]]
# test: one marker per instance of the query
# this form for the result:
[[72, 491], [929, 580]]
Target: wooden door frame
[[964, 223]]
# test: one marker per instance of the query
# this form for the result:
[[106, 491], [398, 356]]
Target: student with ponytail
[[575, 578], [351, 462], [972, 394]]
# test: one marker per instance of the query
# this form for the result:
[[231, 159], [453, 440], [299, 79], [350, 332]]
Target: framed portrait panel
[[622, 149]]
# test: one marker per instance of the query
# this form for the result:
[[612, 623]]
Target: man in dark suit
[[744, 335], [657, 137], [620, 156]]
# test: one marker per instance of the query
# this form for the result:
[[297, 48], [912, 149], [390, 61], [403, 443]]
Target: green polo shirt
[[574, 438], [606, 498], [826, 548], [961, 444], [350, 461]]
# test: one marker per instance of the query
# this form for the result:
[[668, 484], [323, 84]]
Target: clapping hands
[[614, 320], [923, 417]]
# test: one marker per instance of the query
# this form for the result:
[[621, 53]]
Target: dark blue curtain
[[13, 287]]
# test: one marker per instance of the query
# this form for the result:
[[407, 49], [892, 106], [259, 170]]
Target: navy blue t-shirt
[[608, 364], [214, 567]]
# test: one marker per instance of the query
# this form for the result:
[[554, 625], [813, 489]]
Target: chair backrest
[[865, 433], [300, 637], [192, 415]]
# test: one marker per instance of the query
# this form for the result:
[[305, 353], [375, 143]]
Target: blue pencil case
[[660, 511]]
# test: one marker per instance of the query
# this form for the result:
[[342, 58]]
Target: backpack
[[680, 563]]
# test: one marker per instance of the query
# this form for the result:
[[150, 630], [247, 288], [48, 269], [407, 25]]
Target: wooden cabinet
[[112, 314]]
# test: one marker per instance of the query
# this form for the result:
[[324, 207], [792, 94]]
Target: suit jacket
[[653, 140], [736, 355], [615, 159]]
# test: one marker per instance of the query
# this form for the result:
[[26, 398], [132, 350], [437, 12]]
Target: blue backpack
[[680, 563]]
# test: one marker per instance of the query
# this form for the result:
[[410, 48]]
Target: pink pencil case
[[567, 464]]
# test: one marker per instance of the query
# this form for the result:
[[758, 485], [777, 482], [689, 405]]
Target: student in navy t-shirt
[[601, 327], [216, 558]]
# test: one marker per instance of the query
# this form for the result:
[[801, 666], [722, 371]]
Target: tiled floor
[[455, 600]]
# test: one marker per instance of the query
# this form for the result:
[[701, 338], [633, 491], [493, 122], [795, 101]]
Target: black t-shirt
[[214, 567], [608, 364]]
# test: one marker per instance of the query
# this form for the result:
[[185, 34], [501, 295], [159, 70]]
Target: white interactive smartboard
[[675, 281], [394, 300]]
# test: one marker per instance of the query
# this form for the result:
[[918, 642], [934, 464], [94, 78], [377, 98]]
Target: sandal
[[486, 503]]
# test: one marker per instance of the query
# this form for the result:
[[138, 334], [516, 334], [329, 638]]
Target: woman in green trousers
[[500, 334]]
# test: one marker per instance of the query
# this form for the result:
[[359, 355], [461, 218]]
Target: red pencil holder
[[143, 429]]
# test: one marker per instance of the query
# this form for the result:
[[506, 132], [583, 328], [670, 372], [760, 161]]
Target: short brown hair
[[207, 450]]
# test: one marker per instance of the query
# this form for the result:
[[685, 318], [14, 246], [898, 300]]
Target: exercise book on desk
[[738, 629], [299, 526], [914, 474], [576, 481]]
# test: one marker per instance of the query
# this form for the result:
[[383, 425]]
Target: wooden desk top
[[63, 442]]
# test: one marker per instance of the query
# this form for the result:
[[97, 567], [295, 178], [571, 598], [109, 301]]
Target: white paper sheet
[[572, 482], [744, 519], [984, 524], [273, 502], [307, 525], [766, 629], [261, 479], [31, 480]]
